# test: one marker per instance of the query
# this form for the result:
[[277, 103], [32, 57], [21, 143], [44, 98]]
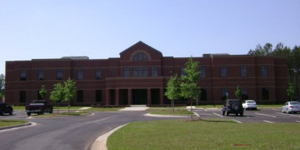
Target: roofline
[[139, 43]]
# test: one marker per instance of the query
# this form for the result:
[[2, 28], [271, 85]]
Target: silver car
[[291, 106]]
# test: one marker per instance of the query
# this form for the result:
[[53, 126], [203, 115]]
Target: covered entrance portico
[[148, 96]]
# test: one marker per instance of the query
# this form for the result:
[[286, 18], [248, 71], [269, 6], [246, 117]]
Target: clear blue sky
[[31, 29]]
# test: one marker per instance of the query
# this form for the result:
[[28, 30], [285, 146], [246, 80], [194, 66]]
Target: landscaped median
[[5, 124], [204, 134], [182, 111]]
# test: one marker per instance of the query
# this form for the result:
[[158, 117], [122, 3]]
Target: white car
[[250, 104], [291, 106]]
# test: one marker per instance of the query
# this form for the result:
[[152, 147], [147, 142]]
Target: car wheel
[[227, 113], [287, 111], [236, 114], [10, 113], [223, 113], [1, 113], [241, 114], [235, 107], [282, 110], [28, 114]]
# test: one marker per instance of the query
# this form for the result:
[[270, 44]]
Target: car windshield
[[295, 103], [250, 101], [37, 104]]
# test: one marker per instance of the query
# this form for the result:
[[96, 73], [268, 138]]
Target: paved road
[[78, 133], [253, 116], [68, 133]]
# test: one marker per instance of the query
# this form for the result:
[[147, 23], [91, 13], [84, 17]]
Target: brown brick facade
[[126, 81]]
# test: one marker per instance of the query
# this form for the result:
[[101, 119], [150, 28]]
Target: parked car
[[233, 106], [250, 104], [39, 107], [291, 106], [5, 108]]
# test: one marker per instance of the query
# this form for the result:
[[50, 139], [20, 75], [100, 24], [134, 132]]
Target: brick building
[[140, 75]]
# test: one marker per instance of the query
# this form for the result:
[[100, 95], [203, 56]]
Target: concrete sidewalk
[[135, 108]]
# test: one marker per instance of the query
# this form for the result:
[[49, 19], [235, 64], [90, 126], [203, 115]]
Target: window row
[[140, 72], [224, 71], [264, 91], [203, 96], [59, 74]]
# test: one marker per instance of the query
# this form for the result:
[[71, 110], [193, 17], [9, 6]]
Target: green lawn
[[4, 123], [206, 134], [169, 111]]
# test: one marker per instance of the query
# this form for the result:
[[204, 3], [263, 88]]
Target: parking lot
[[264, 115]]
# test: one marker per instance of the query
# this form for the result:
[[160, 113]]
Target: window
[[264, 71], [265, 93], [41, 74], [80, 96], [244, 93], [203, 94], [182, 71], [23, 75], [98, 74], [202, 72], [223, 71], [98, 95], [59, 74], [22, 96], [140, 56], [80, 74], [244, 71], [126, 72], [154, 72], [140, 72], [224, 94]]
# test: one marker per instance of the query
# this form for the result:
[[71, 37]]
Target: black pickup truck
[[39, 107]]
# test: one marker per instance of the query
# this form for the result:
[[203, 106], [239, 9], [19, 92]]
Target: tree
[[69, 91], [189, 82], [291, 91], [262, 51], [173, 89], [238, 93], [2, 85], [43, 92], [58, 94]]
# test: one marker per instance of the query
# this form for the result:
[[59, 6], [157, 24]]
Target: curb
[[101, 141], [15, 126], [168, 116]]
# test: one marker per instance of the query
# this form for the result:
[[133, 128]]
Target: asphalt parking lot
[[264, 115]]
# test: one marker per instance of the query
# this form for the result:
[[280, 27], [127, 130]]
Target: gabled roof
[[140, 43]]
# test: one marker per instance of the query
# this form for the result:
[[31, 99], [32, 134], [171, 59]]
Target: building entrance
[[139, 96]]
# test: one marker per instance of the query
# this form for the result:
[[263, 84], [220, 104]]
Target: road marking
[[218, 115], [266, 115], [236, 121], [287, 114], [268, 121]]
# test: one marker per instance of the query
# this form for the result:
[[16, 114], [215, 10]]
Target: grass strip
[[204, 134], [62, 114], [4, 123], [168, 111]]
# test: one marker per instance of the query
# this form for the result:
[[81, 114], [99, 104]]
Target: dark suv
[[4, 108], [233, 106]]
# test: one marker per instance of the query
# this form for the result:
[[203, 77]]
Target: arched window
[[140, 56]]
